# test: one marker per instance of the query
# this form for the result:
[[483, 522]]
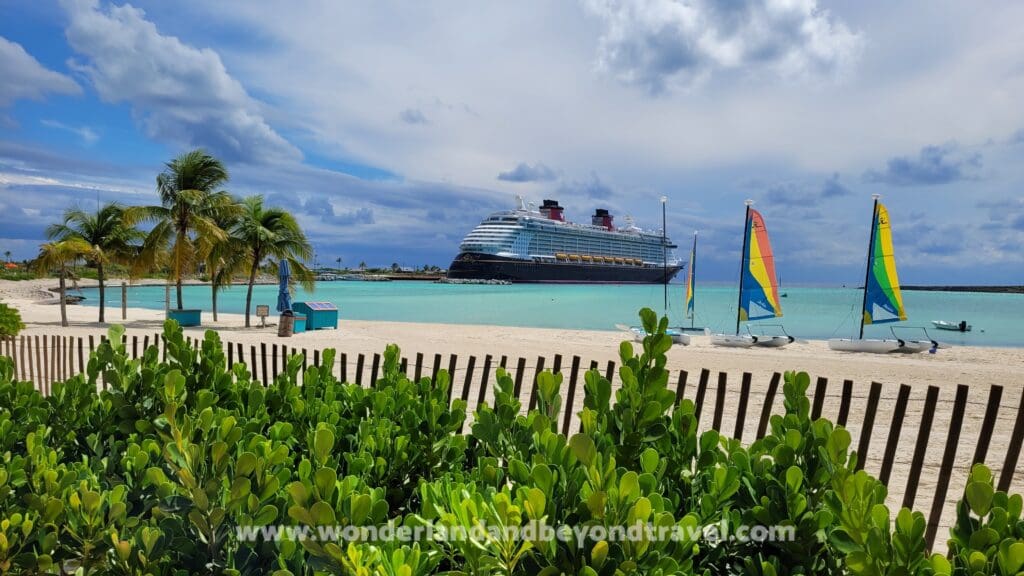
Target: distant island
[[992, 289]]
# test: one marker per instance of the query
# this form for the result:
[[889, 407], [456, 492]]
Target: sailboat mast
[[664, 251], [871, 252], [743, 255], [693, 279]]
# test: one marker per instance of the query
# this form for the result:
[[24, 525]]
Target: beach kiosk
[[318, 314]]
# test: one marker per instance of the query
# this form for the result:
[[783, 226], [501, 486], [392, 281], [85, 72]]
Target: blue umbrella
[[284, 298]]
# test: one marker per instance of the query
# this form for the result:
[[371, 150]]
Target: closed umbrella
[[284, 298]]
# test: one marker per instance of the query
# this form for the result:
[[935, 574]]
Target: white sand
[[977, 367]]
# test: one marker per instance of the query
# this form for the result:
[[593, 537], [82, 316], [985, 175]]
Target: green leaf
[[979, 497], [583, 448], [323, 444]]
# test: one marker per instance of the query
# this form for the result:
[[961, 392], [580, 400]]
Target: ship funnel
[[552, 211], [602, 218]]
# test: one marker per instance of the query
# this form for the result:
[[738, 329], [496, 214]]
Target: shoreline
[[973, 365]]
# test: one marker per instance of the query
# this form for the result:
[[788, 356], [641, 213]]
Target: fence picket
[[374, 367], [741, 409], [536, 378], [681, 386], [570, 396], [923, 432], [359, 369], [869, 423], [1013, 452], [995, 396], [702, 388], [419, 366], [844, 402], [819, 397], [895, 428], [946, 467], [484, 381], [716, 420], [520, 368], [468, 382]]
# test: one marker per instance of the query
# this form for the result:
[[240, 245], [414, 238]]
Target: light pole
[[664, 250]]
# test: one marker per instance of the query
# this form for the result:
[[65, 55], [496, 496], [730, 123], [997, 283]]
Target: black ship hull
[[468, 265]]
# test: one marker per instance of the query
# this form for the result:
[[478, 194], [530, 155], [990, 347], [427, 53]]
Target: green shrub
[[10, 321], [157, 474]]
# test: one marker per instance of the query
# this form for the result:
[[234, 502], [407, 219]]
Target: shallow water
[[814, 313]]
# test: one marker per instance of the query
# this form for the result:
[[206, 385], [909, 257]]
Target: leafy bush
[[10, 321], [162, 473]]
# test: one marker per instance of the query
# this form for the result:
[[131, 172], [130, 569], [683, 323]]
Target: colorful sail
[[759, 294], [883, 301], [689, 278]]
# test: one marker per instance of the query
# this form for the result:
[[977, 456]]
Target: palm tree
[[225, 258], [58, 255], [7, 255], [111, 239], [186, 220], [271, 232]]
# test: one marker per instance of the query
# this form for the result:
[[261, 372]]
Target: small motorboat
[[961, 326]]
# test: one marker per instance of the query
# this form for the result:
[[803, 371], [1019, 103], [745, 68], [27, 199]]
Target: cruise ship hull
[[468, 265]]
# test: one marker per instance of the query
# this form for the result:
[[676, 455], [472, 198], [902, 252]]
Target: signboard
[[262, 311]]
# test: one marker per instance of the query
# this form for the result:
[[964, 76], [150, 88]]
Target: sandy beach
[[977, 367]]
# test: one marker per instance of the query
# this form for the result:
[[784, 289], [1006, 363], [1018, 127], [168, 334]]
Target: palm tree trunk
[[103, 291], [63, 303], [178, 286], [248, 294], [213, 288]]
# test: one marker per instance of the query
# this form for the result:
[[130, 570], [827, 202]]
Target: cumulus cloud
[[833, 188], [658, 43], [179, 94], [528, 173], [805, 194], [592, 187], [24, 77], [934, 165], [413, 116]]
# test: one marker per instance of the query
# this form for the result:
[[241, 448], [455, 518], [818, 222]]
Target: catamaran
[[883, 301], [689, 298], [759, 287]]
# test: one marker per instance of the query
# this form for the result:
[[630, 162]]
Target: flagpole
[[664, 251]]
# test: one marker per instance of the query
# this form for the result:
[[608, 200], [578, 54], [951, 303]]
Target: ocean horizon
[[810, 312]]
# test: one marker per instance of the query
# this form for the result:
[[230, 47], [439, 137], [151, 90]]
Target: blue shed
[[318, 314]]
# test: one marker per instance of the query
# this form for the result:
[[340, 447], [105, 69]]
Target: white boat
[[759, 287], [961, 326], [883, 301]]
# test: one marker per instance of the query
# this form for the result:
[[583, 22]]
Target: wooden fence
[[917, 447]]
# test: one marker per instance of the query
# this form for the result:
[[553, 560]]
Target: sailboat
[[689, 298], [676, 334], [883, 301], [759, 287]]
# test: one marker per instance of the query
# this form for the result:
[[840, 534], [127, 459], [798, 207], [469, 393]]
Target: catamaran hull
[[773, 341], [733, 341], [676, 336], [468, 265], [883, 346]]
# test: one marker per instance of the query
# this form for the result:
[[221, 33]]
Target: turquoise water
[[813, 313]]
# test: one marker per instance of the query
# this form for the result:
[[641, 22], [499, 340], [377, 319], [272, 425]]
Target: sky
[[392, 128]]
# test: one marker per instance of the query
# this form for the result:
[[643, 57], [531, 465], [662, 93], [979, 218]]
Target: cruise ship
[[530, 245]]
